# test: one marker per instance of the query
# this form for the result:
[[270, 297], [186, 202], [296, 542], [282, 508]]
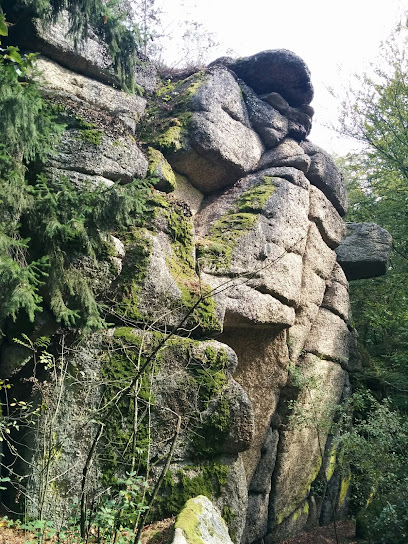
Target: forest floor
[[346, 532], [161, 532]]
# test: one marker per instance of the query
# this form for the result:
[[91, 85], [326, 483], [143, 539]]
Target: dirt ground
[[326, 535], [161, 533]]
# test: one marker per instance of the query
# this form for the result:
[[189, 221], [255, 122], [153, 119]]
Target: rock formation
[[236, 279]]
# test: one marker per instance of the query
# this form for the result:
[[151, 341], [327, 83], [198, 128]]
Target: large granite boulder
[[277, 70], [89, 55], [365, 251], [205, 143], [324, 174], [229, 337], [200, 521]]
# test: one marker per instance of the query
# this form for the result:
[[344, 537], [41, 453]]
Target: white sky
[[335, 39]]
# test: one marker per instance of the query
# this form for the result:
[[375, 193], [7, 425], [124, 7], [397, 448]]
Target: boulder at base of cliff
[[200, 523]]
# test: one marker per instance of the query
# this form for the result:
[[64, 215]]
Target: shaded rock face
[[279, 71], [240, 246], [364, 253]]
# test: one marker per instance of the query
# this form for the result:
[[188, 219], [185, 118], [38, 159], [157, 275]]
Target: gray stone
[[161, 170], [214, 157], [290, 526], [289, 173], [90, 56], [234, 495], [261, 480], [299, 119], [271, 125], [116, 160], [211, 154], [58, 81], [325, 175], [263, 371], [301, 446], [336, 299], [199, 519], [318, 256], [256, 518], [331, 226], [187, 193], [329, 337], [241, 422], [365, 251], [287, 153], [298, 333], [240, 306], [78, 179], [277, 70]]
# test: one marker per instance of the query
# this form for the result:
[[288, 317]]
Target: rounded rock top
[[276, 70]]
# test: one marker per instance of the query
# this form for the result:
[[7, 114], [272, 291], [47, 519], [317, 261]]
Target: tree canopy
[[375, 112]]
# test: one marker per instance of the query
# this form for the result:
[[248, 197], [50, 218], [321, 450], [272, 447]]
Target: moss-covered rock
[[159, 168]]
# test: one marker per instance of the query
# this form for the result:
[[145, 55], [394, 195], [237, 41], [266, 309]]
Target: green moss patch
[[124, 355], [206, 479], [161, 169], [138, 247], [224, 235], [182, 268], [255, 199], [189, 523], [217, 249], [169, 115]]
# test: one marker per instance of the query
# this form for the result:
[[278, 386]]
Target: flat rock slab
[[365, 251], [277, 70]]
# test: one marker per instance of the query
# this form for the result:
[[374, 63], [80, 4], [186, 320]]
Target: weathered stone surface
[[299, 119], [256, 518], [78, 179], [300, 447], [169, 389], [212, 155], [187, 193], [241, 419], [234, 495], [287, 153], [299, 332], [322, 212], [318, 256], [365, 251], [324, 174], [159, 168], [293, 175], [277, 70], [115, 160], [262, 366], [291, 525], [276, 193], [329, 337], [200, 520], [240, 306], [58, 81], [261, 480], [336, 298], [271, 125], [90, 56]]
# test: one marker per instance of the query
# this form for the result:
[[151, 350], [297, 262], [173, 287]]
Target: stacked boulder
[[240, 246]]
